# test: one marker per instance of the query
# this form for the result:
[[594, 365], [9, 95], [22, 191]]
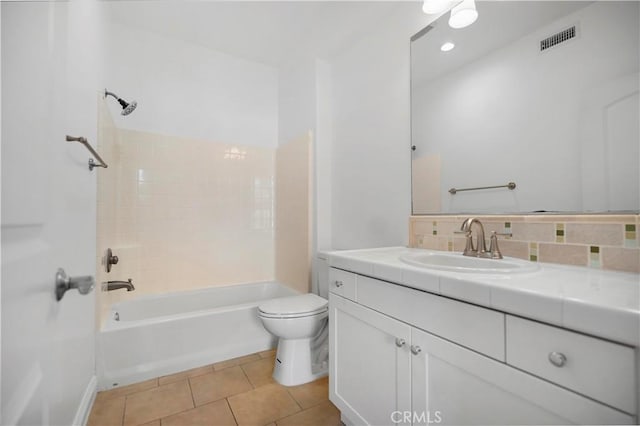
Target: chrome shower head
[[127, 108]]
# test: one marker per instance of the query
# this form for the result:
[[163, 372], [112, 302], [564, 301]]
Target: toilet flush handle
[[339, 283]]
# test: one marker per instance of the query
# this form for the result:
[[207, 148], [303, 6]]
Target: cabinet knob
[[339, 283], [415, 350], [400, 342], [557, 358]]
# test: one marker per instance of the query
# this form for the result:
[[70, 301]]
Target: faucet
[[115, 285], [470, 250], [481, 251]]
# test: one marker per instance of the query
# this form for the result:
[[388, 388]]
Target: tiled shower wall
[[598, 241], [184, 214], [292, 212]]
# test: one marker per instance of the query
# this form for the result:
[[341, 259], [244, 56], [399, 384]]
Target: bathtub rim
[[110, 324]]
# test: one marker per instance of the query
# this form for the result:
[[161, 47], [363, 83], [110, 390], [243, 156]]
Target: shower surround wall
[[190, 214], [184, 214]]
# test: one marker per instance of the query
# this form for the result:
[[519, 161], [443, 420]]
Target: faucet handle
[[469, 249], [493, 247]]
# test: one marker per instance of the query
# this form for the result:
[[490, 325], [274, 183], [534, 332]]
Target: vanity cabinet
[[369, 361], [389, 365]]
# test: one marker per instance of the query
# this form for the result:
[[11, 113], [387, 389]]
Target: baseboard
[[82, 414]]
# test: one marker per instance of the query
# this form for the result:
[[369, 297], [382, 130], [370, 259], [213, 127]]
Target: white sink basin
[[456, 262]]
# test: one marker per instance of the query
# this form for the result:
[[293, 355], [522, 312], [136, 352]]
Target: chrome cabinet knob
[[339, 283], [415, 350], [400, 342], [557, 358]]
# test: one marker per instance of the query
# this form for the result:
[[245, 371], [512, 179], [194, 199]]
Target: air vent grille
[[558, 38]]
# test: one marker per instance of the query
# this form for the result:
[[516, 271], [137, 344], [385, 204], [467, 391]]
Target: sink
[[456, 262]]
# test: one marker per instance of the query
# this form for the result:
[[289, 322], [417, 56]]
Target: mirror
[[561, 123]]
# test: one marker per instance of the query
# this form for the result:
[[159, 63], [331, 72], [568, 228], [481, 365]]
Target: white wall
[[51, 68], [371, 134], [190, 91]]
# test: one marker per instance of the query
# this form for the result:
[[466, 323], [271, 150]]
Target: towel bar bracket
[[93, 152]]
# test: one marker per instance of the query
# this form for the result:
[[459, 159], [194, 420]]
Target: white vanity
[[418, 345]]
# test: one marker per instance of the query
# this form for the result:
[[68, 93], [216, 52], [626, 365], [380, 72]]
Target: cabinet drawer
[[468, 325], [593, 367], [342, 283]]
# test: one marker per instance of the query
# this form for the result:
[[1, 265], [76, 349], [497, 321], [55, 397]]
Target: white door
[[370, 365], [454, 385], [610, 143], [49, 89]]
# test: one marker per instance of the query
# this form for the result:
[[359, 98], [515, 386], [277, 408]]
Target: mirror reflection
[[540, 94]]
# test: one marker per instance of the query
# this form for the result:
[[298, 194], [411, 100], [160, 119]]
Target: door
[[454, 385], [370, 364], [49, 89]]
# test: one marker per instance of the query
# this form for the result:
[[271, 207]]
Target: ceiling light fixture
[[447, 46], [432, 7], [463, 14]]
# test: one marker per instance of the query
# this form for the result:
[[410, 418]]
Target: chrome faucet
[[481, 250], [470, 249], [115, 285]]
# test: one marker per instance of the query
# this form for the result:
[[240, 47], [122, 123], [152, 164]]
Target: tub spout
[[115, 285]]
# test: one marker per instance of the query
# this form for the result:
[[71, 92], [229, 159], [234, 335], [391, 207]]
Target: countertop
[[592, 301]]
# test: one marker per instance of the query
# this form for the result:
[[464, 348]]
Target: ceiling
[[499, 23], [263, 31]]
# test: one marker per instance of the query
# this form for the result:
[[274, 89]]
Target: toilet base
[[293, 365]]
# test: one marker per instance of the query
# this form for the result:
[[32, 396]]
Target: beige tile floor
[[239, 391]]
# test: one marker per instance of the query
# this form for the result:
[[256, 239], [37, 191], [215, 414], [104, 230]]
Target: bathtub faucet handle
[[110, 259]]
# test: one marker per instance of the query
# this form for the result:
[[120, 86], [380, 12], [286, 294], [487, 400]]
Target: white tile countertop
[[593, 301]]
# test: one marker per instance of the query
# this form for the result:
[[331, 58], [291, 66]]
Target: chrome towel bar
[[93, 152], [510, 185]]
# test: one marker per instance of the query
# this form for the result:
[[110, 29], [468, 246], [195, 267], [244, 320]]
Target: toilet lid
[[294, 306]]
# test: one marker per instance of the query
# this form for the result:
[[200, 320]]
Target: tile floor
[[239, 391]]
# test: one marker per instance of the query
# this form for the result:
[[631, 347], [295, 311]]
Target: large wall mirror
[[562, 123]]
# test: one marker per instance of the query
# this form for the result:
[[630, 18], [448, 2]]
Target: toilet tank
[[323, 275]]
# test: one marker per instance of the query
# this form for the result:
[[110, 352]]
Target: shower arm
[[93, 152], [107, 93]]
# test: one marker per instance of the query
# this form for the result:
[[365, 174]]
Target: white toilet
[[301, 325]]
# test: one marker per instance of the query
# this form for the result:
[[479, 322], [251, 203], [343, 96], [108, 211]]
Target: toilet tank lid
[[301, 304]]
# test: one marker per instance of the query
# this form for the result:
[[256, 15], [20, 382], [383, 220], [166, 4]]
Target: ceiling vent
[[558, 38]]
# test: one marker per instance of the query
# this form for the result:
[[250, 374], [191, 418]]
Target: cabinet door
[[453, 385], [370, 363]]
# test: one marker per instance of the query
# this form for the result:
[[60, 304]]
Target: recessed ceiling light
[[447, 46]]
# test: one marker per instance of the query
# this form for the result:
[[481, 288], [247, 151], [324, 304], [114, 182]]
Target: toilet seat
[[303, 305]]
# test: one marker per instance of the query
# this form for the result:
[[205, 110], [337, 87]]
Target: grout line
[[193, 400], [124, 410], [248, 379], [134, 392], [231, 409]]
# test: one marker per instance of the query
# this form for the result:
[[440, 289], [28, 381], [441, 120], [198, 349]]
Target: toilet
[[301, 325]]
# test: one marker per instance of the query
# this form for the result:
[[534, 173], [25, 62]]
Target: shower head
[[127, 108]]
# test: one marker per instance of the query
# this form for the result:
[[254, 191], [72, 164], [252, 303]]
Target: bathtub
[[157, 335]]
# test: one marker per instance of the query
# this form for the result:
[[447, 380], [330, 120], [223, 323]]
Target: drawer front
[[342, 283], [593, 367], [468, 325]]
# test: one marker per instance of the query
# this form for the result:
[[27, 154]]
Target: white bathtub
[[164, 334]]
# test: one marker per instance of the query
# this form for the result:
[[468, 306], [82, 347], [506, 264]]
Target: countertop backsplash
[[610, 242]]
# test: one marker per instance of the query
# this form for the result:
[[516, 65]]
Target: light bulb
[[432, 7], [463, 15]]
